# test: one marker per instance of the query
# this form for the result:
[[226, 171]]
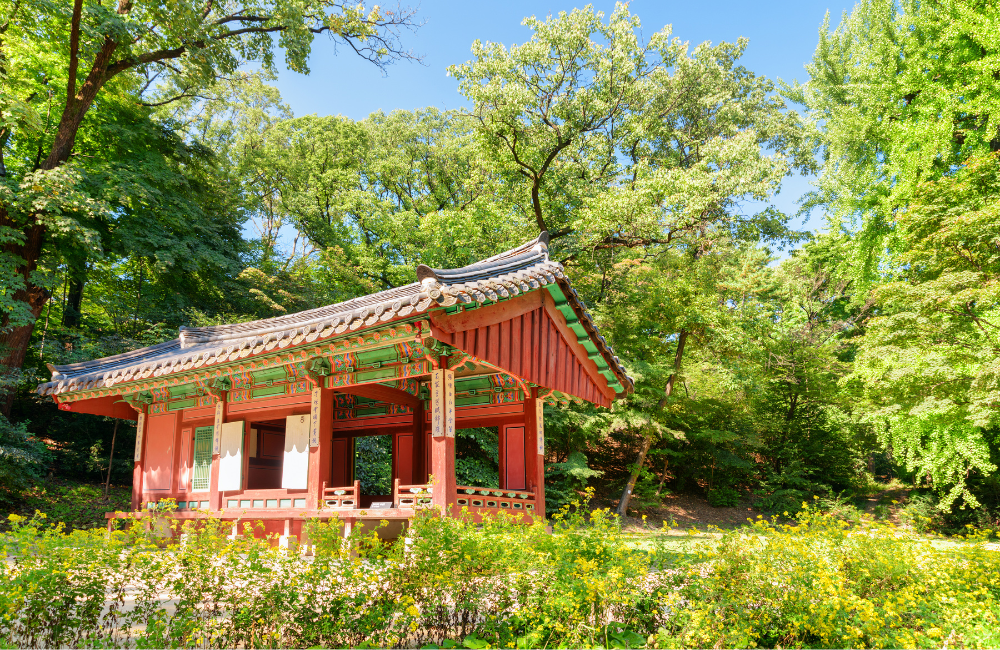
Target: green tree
[[62, 60], [898, 94], [902, 98], [630, 151], [928, 363]]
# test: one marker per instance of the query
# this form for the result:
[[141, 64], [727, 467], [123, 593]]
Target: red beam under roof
[[382, 394], [111, 406]]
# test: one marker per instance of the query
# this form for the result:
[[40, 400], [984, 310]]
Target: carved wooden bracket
[[318, 369]]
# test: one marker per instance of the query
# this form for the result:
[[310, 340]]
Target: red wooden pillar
[[140, 444], [443, 438], [214, 497], [320, 441], [534, 449]]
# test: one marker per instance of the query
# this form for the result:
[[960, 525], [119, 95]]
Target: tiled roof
[[508, 274]]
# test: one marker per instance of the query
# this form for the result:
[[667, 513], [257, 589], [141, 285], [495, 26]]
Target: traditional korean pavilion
[[258, 420]]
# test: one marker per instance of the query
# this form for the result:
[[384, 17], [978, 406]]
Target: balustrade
[[342, 497], [511, 500]]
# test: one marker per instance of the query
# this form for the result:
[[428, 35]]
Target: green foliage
[[900, 93], [564, 482], [373, 464], [618, 140], [723, 497], [903, 110], [21, 460], [821, 582], [477, 457], [818, 582], [927, 364], [80, 506]]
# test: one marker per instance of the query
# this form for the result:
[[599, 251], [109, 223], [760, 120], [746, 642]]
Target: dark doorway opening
[[373, 468], [265, 447]]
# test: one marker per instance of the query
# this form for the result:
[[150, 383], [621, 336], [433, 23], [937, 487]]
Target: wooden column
[[320, 443], [140, 445], [214, 497], [534, 449], [443, 438]]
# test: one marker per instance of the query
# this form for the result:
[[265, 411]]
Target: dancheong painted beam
[[259, 420]]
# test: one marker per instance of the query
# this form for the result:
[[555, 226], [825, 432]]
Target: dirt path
[[886, 497], [688, 511]]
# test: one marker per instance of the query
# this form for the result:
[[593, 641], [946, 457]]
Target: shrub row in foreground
[[818, 583]]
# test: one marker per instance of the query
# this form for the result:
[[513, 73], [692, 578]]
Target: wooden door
[[513, 457], [404, 459]]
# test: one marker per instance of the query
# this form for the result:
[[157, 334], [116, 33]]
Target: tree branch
[[74, 54]]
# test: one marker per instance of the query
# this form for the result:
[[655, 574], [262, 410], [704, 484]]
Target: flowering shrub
[[824, 582], [451, 582]]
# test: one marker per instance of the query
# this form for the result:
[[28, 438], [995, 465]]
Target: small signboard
[[381, 505]]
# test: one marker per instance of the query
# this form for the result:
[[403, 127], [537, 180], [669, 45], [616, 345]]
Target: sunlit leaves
[[931, 359]]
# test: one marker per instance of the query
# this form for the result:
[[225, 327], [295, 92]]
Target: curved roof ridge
[[139, 355], [191, 336], [516, 259]]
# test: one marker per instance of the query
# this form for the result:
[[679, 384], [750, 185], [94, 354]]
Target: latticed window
[[202, 457]]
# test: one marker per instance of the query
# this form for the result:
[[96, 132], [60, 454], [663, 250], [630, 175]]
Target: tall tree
[[928, 364], [62, 58], [630, 148], [387, 192], [899, 93]]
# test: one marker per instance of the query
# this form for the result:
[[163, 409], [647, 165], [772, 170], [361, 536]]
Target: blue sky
[[782, 37]]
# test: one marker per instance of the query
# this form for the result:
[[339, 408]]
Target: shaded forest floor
[[689, 511], [80, 506]]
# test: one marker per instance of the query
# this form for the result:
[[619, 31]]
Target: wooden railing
[[342, 497], [411, 496], [420, 496], [511, 500]]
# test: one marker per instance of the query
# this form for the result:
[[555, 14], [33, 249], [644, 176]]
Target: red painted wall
[[531, 346], [158, 462]]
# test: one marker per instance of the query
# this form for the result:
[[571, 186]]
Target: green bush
[[724, 497], [451, 582], [564, 482], [21, 460], [823, 582], [839, 507]]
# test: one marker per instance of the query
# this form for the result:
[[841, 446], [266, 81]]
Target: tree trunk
[[111, 456], [663, 479], [648, 441], [73, 311], [14, 341]]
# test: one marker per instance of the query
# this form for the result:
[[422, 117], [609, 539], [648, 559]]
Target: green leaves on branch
[[929, 360], [899, 93], [622, 141]]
